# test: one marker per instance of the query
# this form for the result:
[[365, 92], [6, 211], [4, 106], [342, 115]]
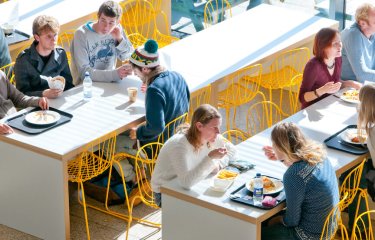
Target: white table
[[221, 218], [33, 169], [257, 35]]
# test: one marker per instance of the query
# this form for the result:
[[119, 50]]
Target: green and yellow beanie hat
[[147, 55]]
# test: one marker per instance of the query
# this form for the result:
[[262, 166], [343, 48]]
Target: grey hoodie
[[97, 54]]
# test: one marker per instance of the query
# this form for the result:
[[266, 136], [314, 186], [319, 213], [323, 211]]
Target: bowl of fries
[[224, 178]]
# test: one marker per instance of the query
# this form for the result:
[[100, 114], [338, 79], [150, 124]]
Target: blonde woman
[[191, 156], [310, 185]]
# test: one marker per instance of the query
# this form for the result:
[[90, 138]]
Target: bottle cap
[[87, 74], [258, 175]]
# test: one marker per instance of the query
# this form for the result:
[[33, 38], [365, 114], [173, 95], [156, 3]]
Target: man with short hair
[[358, 52], [167, 94], [97, 46], [42, 60], [10, 98]]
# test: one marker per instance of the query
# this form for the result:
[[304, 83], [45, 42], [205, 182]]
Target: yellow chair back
[[139, 23], [197, 98], [362, 228], [216, 11], [9, 72], [261, 116], [170, 128], [234, 136], [334, 222], [282, 72], [239, 87], [65, 40]]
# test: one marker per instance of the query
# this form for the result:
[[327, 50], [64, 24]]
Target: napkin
[[57, 82]]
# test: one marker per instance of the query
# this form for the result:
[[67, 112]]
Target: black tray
[[334, 142], [244, 196], [19, 122], [16, 37]]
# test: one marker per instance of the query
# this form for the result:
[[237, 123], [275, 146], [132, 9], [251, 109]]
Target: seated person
[[193, 155], [167, 94], [97, 46], [4, 50], [10, 98], [322, 74], [310, 185], [42, 59], [358, 40]]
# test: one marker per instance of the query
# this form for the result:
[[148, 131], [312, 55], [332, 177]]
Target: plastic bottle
[[258, 190], [87, 86]]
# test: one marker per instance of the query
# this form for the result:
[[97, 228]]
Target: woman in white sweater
[[191, 156]]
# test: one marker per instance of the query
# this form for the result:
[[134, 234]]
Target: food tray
[[17, 37], [19, 122], [244, 196], [334, 142]]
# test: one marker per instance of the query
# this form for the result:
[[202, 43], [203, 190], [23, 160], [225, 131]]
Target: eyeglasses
[[337, 44]]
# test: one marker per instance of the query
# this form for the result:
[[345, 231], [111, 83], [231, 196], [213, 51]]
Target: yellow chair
[[139, 23], [65, 40], [144, 165], [239, 87], [171, 127], [293, 92], [197, 98], [262, 115], [362, 228], [334, 222], [9, 72], [234, 136], [95, 158], [282, 71], [216, 11], [350, 185]]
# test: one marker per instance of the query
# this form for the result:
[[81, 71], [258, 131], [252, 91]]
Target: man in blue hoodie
[[167, 94]]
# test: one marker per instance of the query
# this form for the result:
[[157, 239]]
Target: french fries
[[225, 174]]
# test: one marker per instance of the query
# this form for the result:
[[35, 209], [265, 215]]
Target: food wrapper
[[57, 82], [269, 201]]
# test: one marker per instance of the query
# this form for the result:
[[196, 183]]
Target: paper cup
[[132, 93]]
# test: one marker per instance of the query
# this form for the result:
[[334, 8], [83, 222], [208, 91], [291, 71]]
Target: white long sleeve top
[[178, 159]]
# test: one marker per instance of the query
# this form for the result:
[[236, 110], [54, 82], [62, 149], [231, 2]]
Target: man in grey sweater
[[10, 98], [97, 46]]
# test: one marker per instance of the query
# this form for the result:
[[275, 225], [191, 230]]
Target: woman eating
[[193, 154], [310, 185]]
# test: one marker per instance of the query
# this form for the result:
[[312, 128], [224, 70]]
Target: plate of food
[[42, 117], [354, 136], [270, 185], [351, 95], [223, 179]]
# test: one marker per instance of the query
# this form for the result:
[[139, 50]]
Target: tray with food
[[273, 191], [37, 120], [350, 140]]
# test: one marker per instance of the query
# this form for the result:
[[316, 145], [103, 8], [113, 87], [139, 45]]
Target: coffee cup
[[132, 93]]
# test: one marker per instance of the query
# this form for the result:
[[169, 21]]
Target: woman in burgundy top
[[322, 74]]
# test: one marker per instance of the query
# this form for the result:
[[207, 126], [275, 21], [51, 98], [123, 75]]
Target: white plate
[[42, 117], [348, 134], [279, 186], [350, 100]]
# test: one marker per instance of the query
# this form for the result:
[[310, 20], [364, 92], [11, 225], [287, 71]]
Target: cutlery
[[359, 147]]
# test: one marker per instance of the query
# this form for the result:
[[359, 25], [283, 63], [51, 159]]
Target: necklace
[[332, 66]]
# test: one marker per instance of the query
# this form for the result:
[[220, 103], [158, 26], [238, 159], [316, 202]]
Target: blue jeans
[[157, 198], [278, 232]]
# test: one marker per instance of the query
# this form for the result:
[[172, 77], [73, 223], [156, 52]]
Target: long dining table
[[206, 214], [34, 195], [254, 36]]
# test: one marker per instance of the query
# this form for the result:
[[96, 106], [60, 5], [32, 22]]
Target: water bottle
[[87, 86], [258, 190]]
